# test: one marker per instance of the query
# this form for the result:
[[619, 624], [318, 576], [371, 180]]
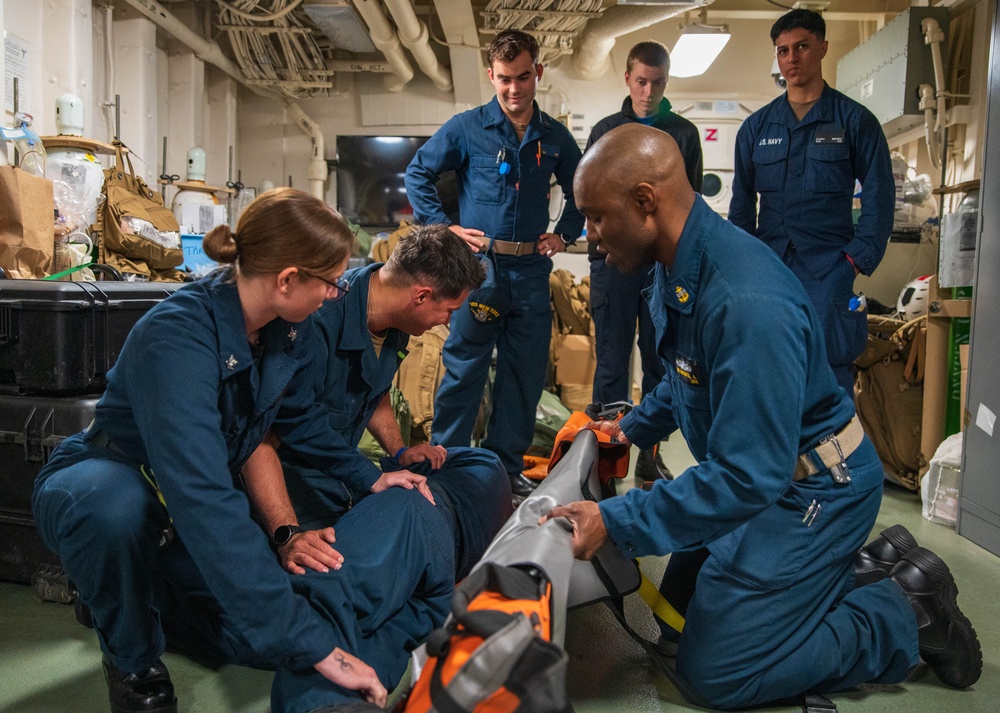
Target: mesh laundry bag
[[939, 488]]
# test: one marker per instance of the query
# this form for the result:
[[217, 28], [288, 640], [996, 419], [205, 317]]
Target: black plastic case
[[63, 337], [30, 428]]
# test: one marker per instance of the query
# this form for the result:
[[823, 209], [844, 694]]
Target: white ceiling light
[[697, 47]]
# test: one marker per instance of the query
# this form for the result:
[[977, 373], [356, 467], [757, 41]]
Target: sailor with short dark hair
[[802, 154]]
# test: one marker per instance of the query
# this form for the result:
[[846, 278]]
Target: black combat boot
[[649, 467], [948, 643], [521, 487], [876, 559], [147, 692]]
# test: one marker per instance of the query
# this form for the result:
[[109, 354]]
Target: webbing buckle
[[839, 471]]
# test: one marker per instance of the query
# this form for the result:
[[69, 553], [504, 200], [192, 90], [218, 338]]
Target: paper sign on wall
[[16, 65]]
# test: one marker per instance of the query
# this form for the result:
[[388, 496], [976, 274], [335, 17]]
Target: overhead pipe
[[936, 97], [318, 170], [930, 133], [203, 49], [413, 32], [210, 52], [593, 54], [387, 42]]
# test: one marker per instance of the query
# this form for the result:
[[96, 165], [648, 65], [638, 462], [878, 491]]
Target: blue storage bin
[[195, 260]]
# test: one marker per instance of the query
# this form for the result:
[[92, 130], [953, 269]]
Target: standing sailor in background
[[802, 154], [787, 487], [505, 154], [616, 300]]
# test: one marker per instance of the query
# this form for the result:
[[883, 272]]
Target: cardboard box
[[575, 361], [576, 397]]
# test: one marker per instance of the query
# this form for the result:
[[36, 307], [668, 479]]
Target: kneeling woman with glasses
[[146, 507]]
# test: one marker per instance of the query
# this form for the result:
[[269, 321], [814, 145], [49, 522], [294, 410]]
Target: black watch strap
[[283, 533], [567, 241]]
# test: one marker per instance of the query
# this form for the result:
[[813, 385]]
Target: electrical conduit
[[210, 52], [933, 36]]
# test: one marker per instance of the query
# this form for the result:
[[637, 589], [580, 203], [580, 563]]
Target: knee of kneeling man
[[713, 693]]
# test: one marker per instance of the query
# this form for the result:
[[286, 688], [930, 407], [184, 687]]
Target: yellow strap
[[663, 609], [152, 481]]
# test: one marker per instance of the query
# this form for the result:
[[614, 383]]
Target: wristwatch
[[283, 533], [567, 241]]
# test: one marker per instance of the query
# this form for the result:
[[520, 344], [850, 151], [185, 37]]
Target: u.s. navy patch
[[689, 370], [483, 312], [682, 294]]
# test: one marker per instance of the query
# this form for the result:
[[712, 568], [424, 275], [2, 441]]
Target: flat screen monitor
[[370, 188]]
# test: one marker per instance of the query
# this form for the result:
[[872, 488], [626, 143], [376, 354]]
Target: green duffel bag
[[551, 414]]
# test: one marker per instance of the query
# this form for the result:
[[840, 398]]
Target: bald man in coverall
[[505, 155], [787, 486], [801, 154]]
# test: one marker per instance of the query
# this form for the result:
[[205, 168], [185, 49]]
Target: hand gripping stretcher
[[501, 649]]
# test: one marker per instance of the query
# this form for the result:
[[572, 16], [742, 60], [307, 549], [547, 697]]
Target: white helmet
[[913, 298]]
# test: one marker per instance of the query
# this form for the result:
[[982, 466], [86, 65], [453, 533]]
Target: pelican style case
[[30, 428], [61, 338]]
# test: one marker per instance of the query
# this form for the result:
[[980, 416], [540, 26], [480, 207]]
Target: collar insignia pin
[[682, 294], [292, 334], [231, 362]]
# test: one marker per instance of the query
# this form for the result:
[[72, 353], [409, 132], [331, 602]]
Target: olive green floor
[[50, 664]]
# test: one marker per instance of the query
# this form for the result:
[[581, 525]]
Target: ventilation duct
[[592, 56]]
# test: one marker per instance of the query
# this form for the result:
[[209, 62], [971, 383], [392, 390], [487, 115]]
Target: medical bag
[[494, 654]]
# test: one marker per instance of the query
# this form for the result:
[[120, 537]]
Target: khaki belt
[[508, 247], [832, 451]]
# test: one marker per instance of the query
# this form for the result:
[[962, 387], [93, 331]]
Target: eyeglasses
[[340, 286]]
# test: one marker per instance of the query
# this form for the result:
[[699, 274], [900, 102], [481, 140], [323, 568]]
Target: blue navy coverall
[[186, 405], [349, 380], [804, 172], [512, 309], [775, 612], [616, 301]]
